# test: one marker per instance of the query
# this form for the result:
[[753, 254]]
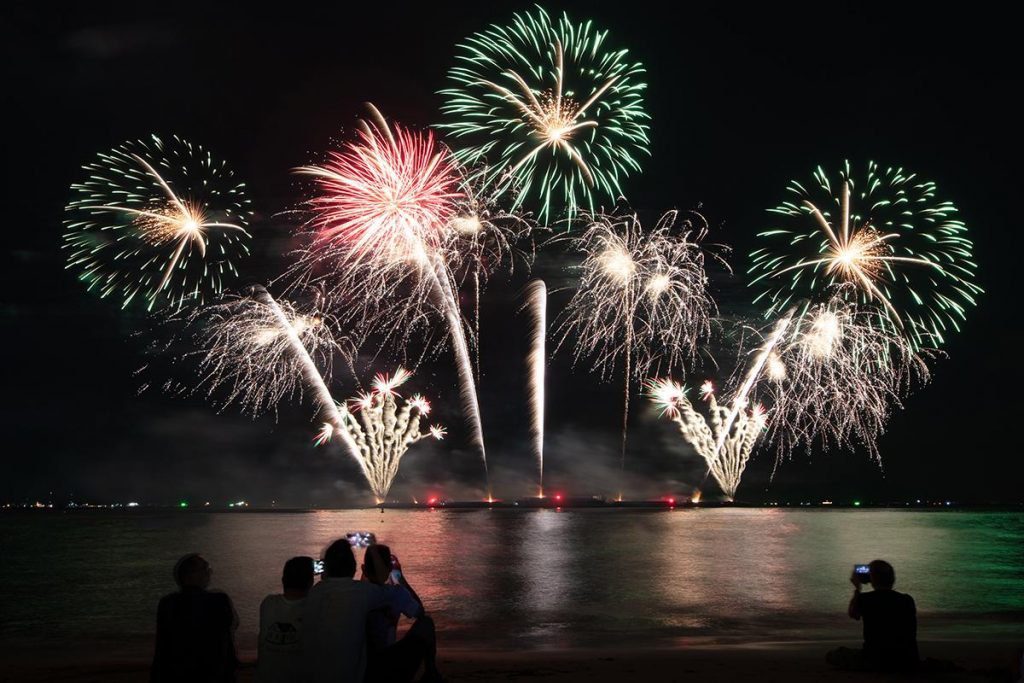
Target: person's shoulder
[[333, 586], [170, 599], [218, 598], [906, 598], [271, 601], [317, 592], [365, 587]]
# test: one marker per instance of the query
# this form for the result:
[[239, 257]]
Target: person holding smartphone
[[391, 659], [890, 623], [335, 614]]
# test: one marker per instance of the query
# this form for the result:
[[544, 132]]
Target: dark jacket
[[194, 638]]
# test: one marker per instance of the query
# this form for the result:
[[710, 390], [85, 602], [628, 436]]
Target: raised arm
[[403, 582], [853, 610]]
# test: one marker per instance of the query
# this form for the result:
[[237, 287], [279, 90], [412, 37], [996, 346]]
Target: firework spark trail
[[642, 300], [463, 360], [482, 237], [741, 397], [725, 440], [380, 428], [247, 356], [313, 378], [160, 220], [879, 239], [261, 351], [386, 218], [476, 324], [554, 111], [537, 305]]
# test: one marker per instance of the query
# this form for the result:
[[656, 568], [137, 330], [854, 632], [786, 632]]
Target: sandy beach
[[762, 662]]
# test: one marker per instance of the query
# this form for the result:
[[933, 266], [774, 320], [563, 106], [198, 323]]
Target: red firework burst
[[386, 195]]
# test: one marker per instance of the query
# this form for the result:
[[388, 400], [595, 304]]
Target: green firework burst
[[161, 221], [882, 237], [548, 108]]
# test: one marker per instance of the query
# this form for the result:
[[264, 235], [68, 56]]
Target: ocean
[[87, 582]]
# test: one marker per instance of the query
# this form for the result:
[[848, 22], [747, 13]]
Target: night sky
[[741, 101]]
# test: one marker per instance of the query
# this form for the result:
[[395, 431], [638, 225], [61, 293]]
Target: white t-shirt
[[334, 626], [280, 642]]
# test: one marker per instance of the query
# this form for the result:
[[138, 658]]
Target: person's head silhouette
[[882, 574], [297, 577], [339, 561], [377, 564], [192, 571]]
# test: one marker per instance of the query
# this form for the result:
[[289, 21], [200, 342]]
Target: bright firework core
[[467, 225], [556, 119], [825, 333], [859, 255], [175, 221], [659, 284], [618, 264]]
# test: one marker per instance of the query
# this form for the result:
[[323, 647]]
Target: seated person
[[194, 629], [335, 615], [389, 659], [890, 625], [280, 641]]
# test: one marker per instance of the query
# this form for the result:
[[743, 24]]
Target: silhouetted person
[[194, 629], [890, 625], [390, 659], [279, 658], [335, 616]]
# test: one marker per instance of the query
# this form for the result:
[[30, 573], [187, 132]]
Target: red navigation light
[[558, 496], [671, 501], [432, 500]]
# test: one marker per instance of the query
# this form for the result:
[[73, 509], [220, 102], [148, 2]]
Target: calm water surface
[[509, 579]]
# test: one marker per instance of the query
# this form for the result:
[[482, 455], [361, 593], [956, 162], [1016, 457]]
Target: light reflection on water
[[532, 579]]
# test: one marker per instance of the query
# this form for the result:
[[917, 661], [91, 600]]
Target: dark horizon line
[[523, 504]]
